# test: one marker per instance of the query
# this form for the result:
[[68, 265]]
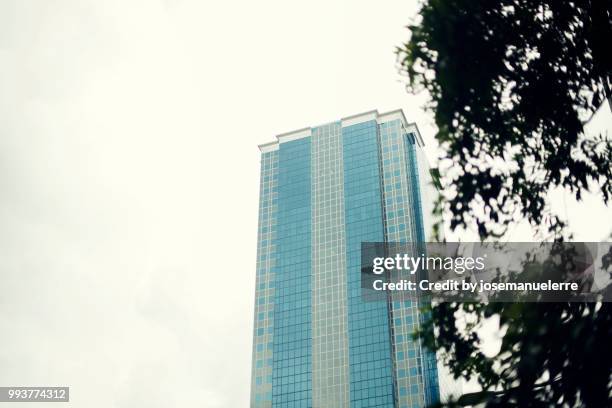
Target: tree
[[511, 85], [551, 354]]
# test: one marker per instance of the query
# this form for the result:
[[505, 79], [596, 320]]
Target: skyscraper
[[324, 191]]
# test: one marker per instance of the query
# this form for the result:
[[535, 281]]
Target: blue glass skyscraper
[[325, 190]]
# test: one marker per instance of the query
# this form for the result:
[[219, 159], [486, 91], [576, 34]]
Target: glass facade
[[369, 325], [329, 292], [292, 341], [324, 191]]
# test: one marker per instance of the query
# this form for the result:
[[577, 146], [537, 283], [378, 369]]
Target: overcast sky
[[129, 179]]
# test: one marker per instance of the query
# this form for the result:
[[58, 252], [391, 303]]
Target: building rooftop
[[347, 121]]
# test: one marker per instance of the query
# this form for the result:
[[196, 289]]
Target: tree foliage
[[512, 84], [552, 354]]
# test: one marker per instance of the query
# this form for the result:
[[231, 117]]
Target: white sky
[[129, 175]]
